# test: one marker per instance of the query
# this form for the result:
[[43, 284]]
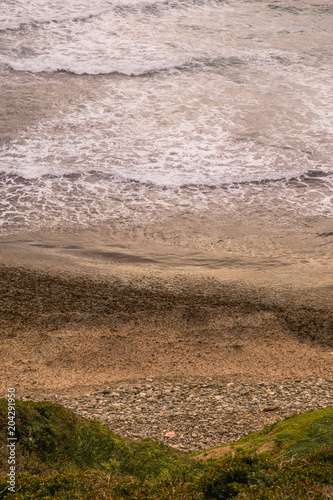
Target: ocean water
[[131, 110]]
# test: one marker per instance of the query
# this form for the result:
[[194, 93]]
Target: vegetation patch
[[296, 436], [62, 456]]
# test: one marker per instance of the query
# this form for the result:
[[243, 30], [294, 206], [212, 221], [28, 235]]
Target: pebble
[[202, 414]]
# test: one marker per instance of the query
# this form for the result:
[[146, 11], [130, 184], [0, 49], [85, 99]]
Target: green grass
[[62, 456], [295, 436]]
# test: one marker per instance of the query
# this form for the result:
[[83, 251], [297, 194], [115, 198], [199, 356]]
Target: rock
[[204, 414], [271, 408]]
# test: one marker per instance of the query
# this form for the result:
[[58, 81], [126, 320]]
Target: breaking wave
[[126, 69]]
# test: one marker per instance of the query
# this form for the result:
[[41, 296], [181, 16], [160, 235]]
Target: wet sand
[[81, 310]]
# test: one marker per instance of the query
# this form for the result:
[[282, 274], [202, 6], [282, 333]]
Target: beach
[[129, 341], [81, 315], [166, 208]]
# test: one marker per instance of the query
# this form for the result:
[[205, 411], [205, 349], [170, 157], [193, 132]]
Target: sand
[[77, 312]]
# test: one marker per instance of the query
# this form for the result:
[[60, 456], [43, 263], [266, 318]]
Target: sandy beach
[[166, 233], [77, 312]]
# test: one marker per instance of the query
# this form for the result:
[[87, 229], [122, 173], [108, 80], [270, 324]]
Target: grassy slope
[[62, 456], [297, 436]]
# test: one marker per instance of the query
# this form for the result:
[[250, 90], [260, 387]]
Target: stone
[[271, 408], [203, 414]]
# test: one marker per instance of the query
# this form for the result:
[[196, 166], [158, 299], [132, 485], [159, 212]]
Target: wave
[[124, 68], [309, 177], [82, 199], [120, 8], [36, 20], [291, 9], [304, 9], [20, 24]]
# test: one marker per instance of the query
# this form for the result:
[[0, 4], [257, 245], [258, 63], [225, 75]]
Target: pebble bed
[[201, 413]]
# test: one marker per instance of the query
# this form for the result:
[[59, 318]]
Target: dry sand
[[72, 317]]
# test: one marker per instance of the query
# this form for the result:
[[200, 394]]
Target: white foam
[[14, 15], [175, 131], [127, 42], [255, 107]]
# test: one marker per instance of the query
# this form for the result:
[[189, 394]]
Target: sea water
[[128, 110]]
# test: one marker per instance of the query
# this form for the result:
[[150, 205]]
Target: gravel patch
[[201, 413]]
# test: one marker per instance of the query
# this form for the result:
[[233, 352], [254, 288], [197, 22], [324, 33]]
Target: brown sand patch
[[64, 330]]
